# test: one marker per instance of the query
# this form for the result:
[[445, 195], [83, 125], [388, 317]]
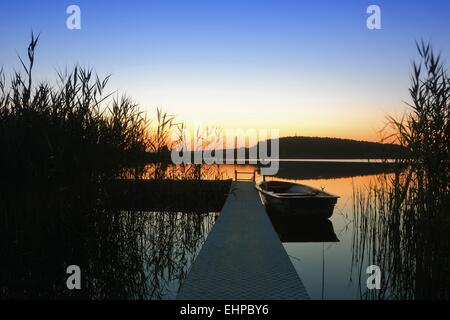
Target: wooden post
[[235, 160]]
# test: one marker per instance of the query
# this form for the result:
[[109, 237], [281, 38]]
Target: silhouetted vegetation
[[62, 146], [403, 224]]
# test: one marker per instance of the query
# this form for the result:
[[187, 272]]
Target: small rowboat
[[287, 198]]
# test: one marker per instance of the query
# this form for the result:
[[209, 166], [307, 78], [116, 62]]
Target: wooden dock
[[242, 257]]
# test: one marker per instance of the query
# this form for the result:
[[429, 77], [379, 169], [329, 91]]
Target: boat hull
[[320, 205]]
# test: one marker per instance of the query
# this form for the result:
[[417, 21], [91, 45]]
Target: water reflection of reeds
[[404, 238], [169, 244], [122, 255]]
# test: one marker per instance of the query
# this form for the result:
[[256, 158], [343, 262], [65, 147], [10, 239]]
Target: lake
[[326, 268], [125, 253], [171, 242]]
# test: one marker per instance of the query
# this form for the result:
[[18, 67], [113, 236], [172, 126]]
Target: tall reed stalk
[[403, 223]]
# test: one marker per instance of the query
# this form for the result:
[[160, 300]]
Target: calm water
[[171, 243], [147, 255], [326, 267], [331, 257]]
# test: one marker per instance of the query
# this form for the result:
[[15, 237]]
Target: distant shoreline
[[302, 149], [342, 160]]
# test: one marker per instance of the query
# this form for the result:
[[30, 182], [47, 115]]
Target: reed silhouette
[[403, 223], [62, 146]]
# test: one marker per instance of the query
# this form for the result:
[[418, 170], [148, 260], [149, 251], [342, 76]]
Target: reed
[[402, 223], [61, 147]]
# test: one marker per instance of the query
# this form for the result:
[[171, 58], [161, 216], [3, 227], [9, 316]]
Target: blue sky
[[305, 67]]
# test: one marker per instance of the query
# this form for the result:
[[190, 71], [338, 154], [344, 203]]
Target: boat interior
[[280, 187]]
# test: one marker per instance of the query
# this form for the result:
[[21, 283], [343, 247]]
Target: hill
[[335, 148], [316, 148]]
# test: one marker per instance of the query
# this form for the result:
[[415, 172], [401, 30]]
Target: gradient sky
[[304, 67]]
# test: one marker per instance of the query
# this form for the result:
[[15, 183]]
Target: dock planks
[[242, 257]]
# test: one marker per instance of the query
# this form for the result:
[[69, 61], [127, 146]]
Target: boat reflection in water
[[299, 213], [302, 229]]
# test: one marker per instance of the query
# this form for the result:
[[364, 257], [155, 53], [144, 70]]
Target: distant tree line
[[309, 148], [335, 148]]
